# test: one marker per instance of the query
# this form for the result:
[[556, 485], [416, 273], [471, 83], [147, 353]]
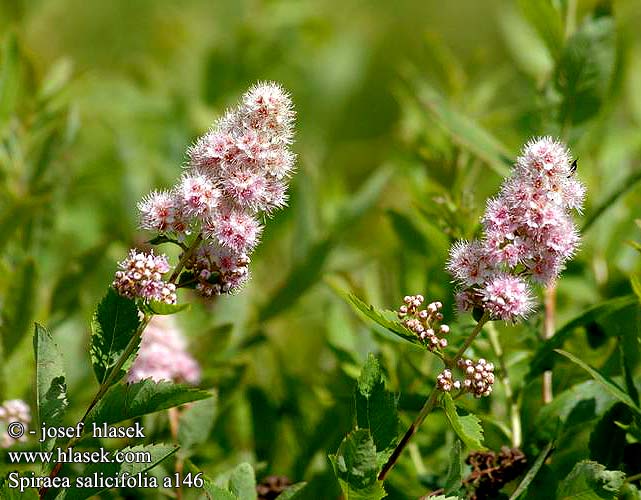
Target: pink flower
[[198, 195], [234, 229], [507, 297], [159, 211], [163, 354], [13, 410], [468, 262]]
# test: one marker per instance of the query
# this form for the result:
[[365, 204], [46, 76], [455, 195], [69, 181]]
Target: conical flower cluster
[[528, 232], [236, 175]]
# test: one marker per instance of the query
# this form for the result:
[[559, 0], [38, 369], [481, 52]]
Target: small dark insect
[[573, 167]]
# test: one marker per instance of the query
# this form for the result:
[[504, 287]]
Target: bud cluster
[[425, 323], [478, 378], [237, 174], [528, 232], [140, 275], [163, 354], [13, 410]]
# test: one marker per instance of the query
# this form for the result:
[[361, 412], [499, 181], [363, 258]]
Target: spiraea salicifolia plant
[[528, 235], [235, 177]]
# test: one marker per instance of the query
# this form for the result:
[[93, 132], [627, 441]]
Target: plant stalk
[[548, 333], [515, 416], [430, 403], [185, 257]]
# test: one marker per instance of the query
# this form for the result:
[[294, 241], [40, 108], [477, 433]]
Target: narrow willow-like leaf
[[112, 327], [454, 479], [242, 482], [196, 423], [467, 427], [585, 70], [546, 20], [158, 453], [382, 318], [531, 474], [629, 182], [51, 385], [376, 409], [125, 401], [18, 308], [605, 382], [355, 466], [543, 359], [463, 130], [591, 481]]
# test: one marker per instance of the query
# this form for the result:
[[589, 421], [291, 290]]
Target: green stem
[[187, 254], [430, 403], [633, 478], [515, 416]]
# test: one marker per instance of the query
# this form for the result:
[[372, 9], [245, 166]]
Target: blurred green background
[[409, 114]]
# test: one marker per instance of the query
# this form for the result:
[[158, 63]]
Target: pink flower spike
[[507, 297]]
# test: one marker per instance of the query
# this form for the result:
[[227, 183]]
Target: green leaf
[[57, 79], [158, 453], [585, 70], [607, 439], [242, 482], [463, 130], [531, 474], [18, 309], [216, 492], [125, 401], [112, 327], [454, 478], [7, 493], [591, 481], [355, 465], [9, 76], [294, 492], [408, 233], [546, 20], [543, 359], [381, 318], [467, 427], [628, 182], [196, 422], [376, 409], [162, 308], [51, 385], [605, 382]]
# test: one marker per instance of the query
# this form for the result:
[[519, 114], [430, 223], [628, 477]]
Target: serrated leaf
[[585, 70], [158, 453], [355, 465], [604, 381], [454, 479], [463, 130], [18, 308], [607, 438], [376, 409], [294, 492], [381, 318], [467, 427], [51, 385], [591, 481], [196, 423], [242, 482], [125, 401], [112, 327], [546, 20], [531, 474], [543, 358]]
